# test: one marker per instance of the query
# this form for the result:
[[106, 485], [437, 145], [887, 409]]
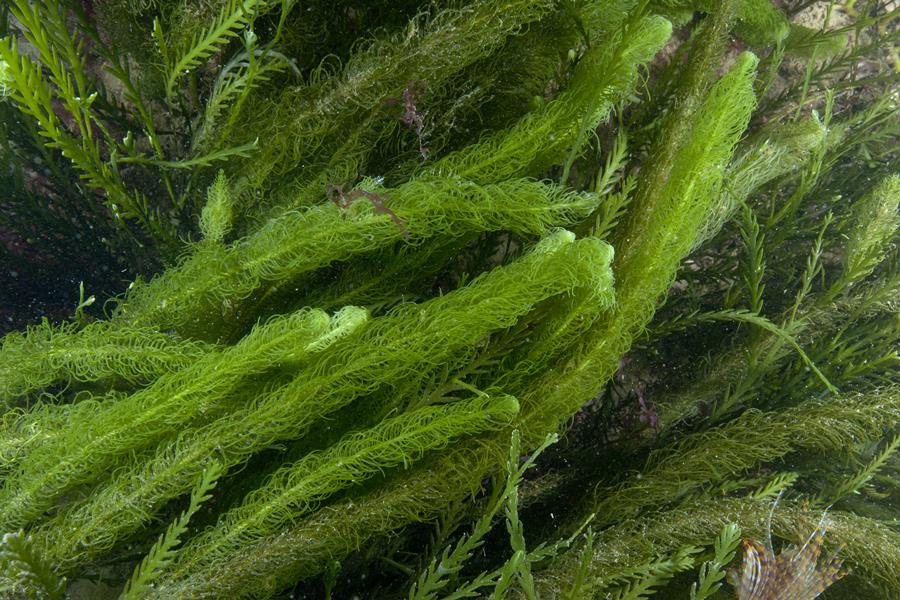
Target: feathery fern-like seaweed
[[868, 544], [854, 484], [164, 550], [24, 573], [876, 221], [47, 30], [435, 577], [334, 123], [663, 226], [217, 214], [638, 582], [711, 572], [234, 15]]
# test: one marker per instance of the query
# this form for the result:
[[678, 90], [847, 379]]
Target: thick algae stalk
[[97, 435], [667, 212], [202, 293], [22, 430], [48, 354], [778, 152], [407, 344], [772, 153], [295, 490], [679, 186], [667, 217], [692, 202], [546, 136]]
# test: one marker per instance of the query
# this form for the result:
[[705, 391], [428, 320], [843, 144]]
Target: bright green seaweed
[[376, 242]]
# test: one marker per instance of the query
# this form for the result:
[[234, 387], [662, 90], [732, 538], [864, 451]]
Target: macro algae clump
[[301, 298]]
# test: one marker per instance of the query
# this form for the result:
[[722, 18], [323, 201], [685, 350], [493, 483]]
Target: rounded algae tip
[[506, 406]]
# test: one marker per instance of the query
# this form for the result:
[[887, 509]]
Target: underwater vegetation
[[544, 299]]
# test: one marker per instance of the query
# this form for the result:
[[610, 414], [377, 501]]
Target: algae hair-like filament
[[98, 434], [406, 344], [296, 489], [190, 297]]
